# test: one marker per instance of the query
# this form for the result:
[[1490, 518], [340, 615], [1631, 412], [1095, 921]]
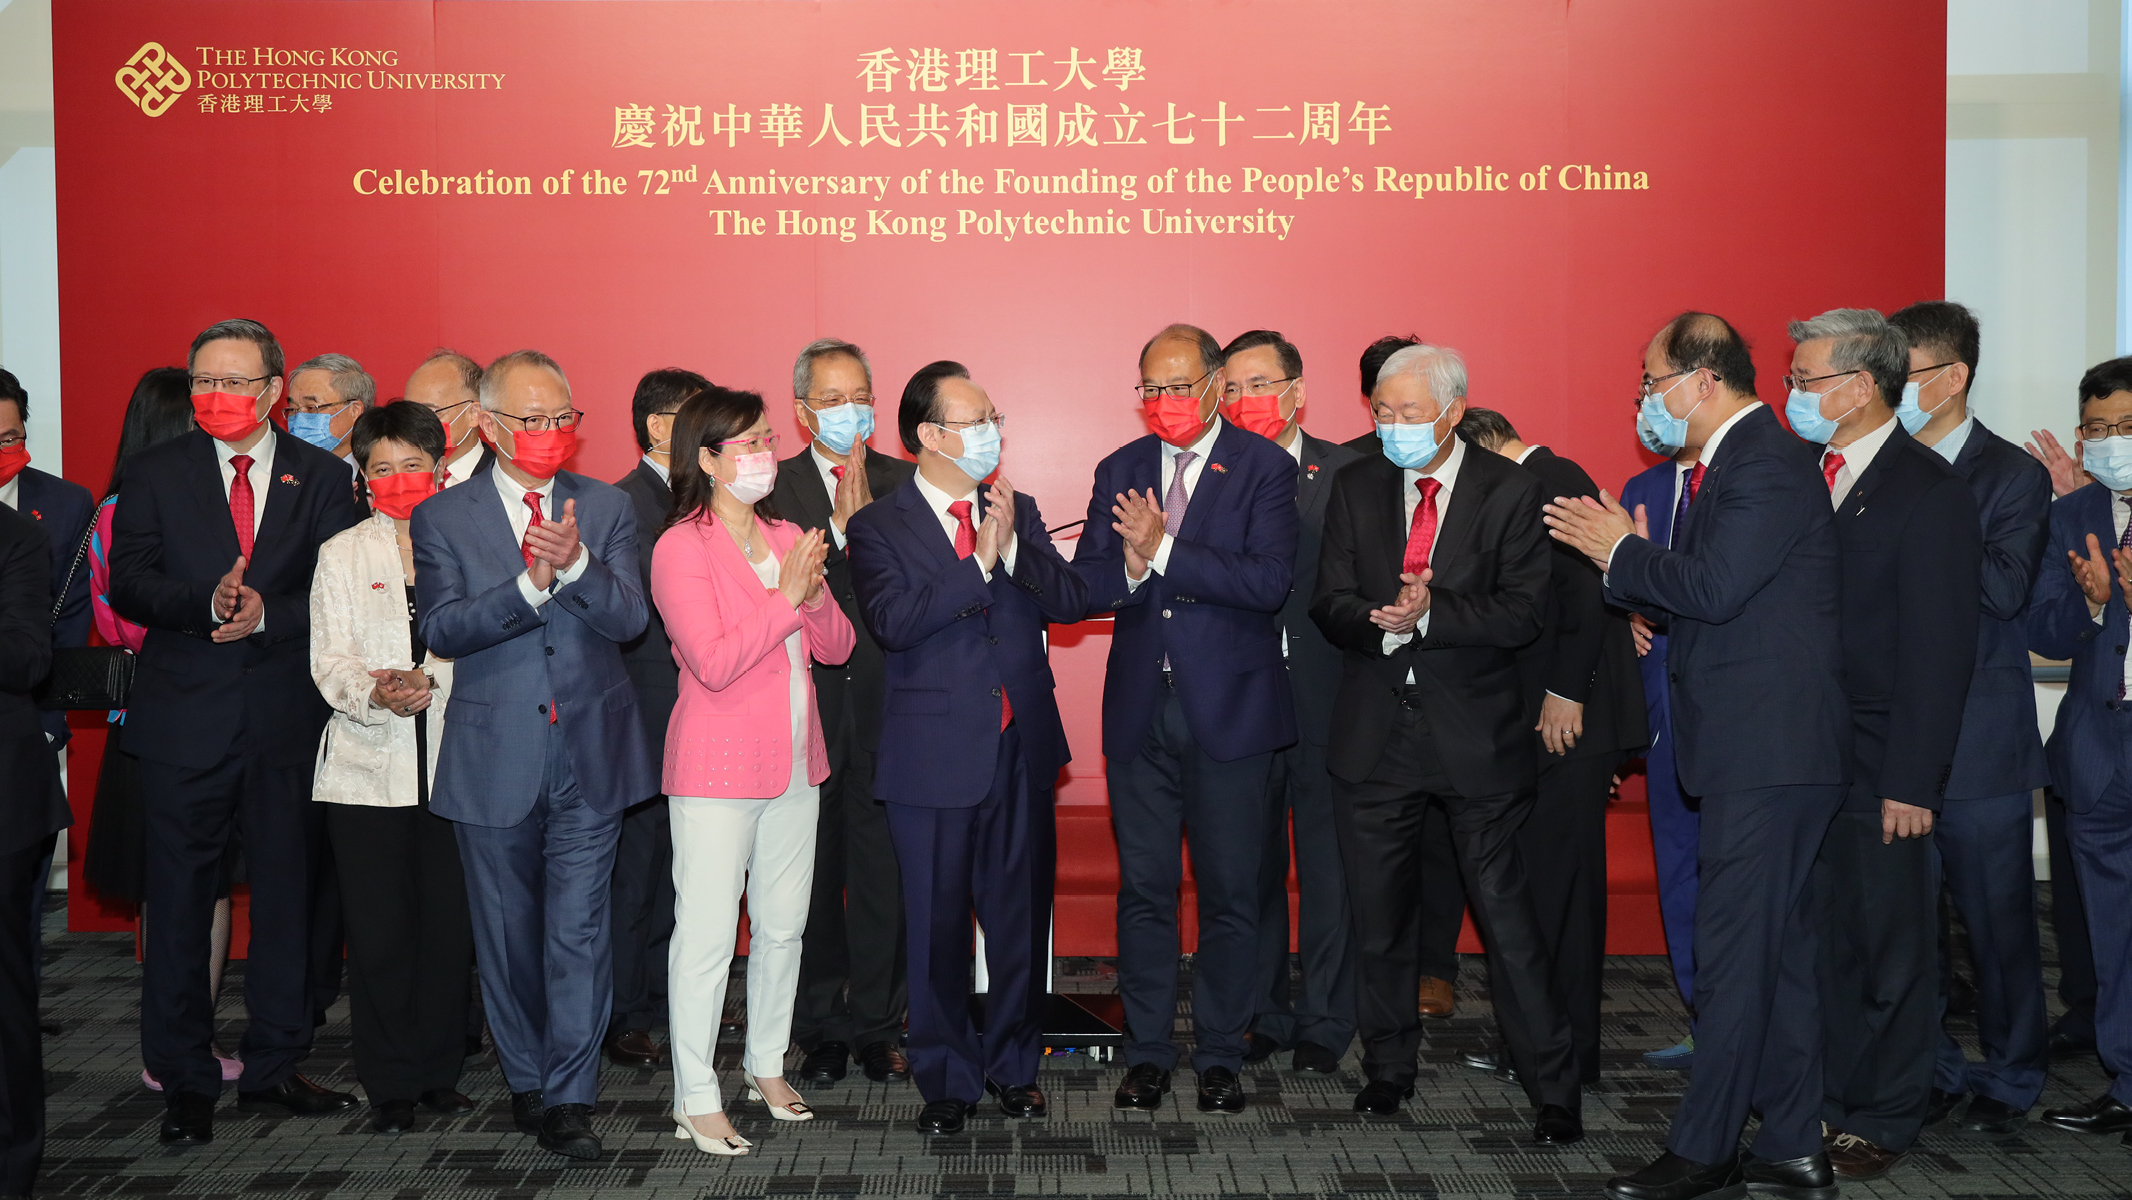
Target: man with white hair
[[1431, 612], [448, 384], [326, 395]]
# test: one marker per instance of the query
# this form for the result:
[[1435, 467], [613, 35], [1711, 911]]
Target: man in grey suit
[[531, 583]]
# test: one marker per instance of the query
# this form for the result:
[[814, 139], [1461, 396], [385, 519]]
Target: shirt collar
[[11, 492], [1203, 446], [1447, 474], [938, 500], [461, 469], [1859, 454], [514, 496], [1520, 459], [263, 452], [658, 470], [1710, 447], [1950, 447], [822, 465], [1295, 448]]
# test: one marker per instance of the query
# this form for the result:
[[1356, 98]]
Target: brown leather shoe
[[1436, 999], [634, 1048], [1854, 1158]]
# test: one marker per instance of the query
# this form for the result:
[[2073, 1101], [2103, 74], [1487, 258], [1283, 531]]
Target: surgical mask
[[226, 416], [12, 460], [1259, 414], [2109, 460], [980, 451], [542, 452], [1176, 419], [753, 476], [1409, 446], [315, 428], [1650, 439], [1803, 410], [397, 495], [844, 426], [1668, 432], [1913, 417]]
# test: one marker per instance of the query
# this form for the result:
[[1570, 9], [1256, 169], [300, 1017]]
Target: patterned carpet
[[1465, 1134]]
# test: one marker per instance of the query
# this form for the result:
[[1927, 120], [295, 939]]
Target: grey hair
[[1487, 428], [1438, 366], [1210, 355], [1865, 341], [469, 370], [492, 379], [350, 380], [241, 330], [817, 350]]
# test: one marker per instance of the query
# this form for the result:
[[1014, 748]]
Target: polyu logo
[[153, 79]]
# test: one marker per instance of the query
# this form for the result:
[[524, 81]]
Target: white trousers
[[721, 846]]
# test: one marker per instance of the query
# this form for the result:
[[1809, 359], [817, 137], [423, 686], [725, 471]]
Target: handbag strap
[[73, 568]]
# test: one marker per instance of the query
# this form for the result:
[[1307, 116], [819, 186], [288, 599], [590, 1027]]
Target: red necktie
[[533, 522], [1695, 481], [1831, 463], [240, 502], [838, 472], [965, 546], [1422, 537]]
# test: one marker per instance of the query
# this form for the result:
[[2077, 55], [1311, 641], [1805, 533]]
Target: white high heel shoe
[[732, 1147], [795, 1111]]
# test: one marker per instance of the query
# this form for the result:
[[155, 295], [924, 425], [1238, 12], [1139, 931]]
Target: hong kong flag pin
[[289, 479], [1217, 468]]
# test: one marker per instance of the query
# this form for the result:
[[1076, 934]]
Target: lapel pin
[[377, 587], [36, 515], [1217, 468], [1311, 472], [289, 479]]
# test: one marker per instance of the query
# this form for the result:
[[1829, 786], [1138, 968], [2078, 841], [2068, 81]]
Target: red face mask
[[1175, 419], [226, 416], [542, 453], [1259, 414], [397, 495], [12, 460]]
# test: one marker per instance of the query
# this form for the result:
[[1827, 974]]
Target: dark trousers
[[1322, 1011], [1169, 795], [21, 1046], [409, 940], [851, 986], [1986, 864], [1443, 898], [1758, 1014], [2069, 928], [1563, 842], [1676, 833], [2101, 840], [537, 892], [1381, 827], [643, 914], [329, 932], [1878, 907], [995, 861], [191, 814]]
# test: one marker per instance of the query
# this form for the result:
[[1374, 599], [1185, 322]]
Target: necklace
[[747, 540]]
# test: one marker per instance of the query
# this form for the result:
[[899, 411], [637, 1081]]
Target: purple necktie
[[1173, 505], [1680, 511]]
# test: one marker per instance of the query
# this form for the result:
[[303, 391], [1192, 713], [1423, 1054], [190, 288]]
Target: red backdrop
[[1589, 170]]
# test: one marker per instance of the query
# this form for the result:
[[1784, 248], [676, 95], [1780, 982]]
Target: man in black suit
[[1584, 698], [1911, 550], [1434, 572], [213, 546], [851, 989], [1263, 393], [448, 383], [1751, 589], [33, 812], [642, 894]]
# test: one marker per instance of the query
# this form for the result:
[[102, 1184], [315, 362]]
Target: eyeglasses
[[297, 406], [1934, 367], [1255, 387], [753, 445], [1149, 391], [996, 421], [1650, 384], [542, 424], [10, 441], [223, 383], [1796, 384], [818, 403], [2095, 431], [449, 408]]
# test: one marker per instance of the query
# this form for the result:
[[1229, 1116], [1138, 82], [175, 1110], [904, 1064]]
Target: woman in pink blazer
[[743, 599]]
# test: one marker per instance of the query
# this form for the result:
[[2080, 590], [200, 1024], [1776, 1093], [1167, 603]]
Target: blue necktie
[[1680, 508]]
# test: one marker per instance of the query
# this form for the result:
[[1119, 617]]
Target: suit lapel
[[924, 525], [1213, 478], [1310, 487], [1473, 486], [495, 524], [282, 488], [815, 502], [1387, 508], [207, 487]]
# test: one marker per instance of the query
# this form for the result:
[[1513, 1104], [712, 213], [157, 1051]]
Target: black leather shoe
[[188, 1119], [2104, 1114], [1990, 1120], [1310, 1056], [1495, 1060], [633, 1048], [294, 1097], [392, 1117], [1220, 1091], [445, 1102], [1143, 1089], [1671, 1177], [1258, 1047], [1809, 1178], [1942, 1105], [526, 1110], [883, 1062], [2068, 1045], [824, 1065], [1024, 1101], [944, 1116], [566, 1129], [1557, 1126], [1382, 1097]]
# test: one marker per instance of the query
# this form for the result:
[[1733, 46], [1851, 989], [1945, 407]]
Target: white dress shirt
[[1168, 473], [1709, 455], [938, 501], [1446, 477], [461, 469], [11, 493], [260, 474], [827, 470], [514, 507], [1856, 458]]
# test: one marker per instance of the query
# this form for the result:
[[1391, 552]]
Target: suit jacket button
[[544, 710], [993, 640], [551, 652], [995, 691], [1165, 612], [1674, 677]]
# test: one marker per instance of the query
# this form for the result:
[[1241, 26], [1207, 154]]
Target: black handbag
[[84, 677]]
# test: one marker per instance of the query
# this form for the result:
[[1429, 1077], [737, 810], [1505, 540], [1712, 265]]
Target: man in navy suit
[[1190, 544], [959, 589], [1985, 828], [2078, 611], [1676, 826], [1750, 591], [213, 545], [1911, 546], [530, 582], [1264, 394]]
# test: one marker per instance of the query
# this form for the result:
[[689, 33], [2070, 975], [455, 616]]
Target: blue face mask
[[980, 451], [844, 426], [1668, 432], [1650, 439], [1409, 446], [1803, 410], [1913, 417], [315, 428], [2109, 460]]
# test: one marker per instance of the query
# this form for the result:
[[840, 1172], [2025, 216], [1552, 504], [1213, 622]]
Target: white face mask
[[755, 475]]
